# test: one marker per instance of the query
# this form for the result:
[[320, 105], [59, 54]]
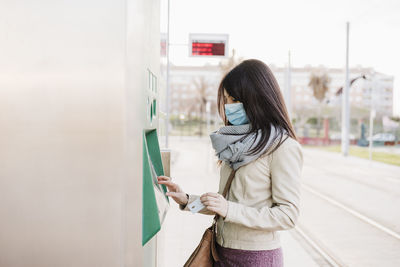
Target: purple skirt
[[230, 257]]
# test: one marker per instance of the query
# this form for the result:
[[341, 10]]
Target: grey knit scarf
[[230, 148]]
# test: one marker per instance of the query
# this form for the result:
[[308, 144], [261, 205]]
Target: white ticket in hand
[[196, 206]]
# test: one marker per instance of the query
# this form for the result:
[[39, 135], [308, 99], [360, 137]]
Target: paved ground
[[351, 207], [194, 168], [369, 187]]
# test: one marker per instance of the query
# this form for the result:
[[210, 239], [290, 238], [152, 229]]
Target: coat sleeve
[[286, 166], [191, 199]]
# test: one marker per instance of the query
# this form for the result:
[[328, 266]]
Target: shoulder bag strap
[[226, 189], [228, 183]]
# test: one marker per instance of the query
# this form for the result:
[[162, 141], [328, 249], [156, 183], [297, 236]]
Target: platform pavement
[[193, 166]]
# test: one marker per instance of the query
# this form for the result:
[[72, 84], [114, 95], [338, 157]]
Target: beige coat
[[263, 199]]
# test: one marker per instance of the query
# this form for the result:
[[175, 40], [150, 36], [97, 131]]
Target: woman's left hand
[[215, 202]]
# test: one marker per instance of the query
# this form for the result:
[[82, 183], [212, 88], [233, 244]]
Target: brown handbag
[[205, 253]]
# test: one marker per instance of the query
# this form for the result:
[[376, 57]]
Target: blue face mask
[[236, 114]]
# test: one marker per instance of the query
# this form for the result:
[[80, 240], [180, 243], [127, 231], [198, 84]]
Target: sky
[[313, 30]]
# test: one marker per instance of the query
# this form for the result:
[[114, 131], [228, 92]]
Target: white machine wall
[[72, 86]]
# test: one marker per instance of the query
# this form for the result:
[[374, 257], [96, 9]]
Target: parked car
[[338, 136], [383, 137]]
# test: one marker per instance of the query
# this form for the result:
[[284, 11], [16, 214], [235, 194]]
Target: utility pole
[[345, 101], [289, 87], [372, 113], [371, 130], [208, 114], [167, 98]]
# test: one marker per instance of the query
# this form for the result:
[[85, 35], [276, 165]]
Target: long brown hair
[[253, 83]]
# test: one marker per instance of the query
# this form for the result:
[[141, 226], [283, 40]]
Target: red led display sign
[[208, 45], [208, 49]]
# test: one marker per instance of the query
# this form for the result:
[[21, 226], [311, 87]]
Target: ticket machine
[[155, 203]]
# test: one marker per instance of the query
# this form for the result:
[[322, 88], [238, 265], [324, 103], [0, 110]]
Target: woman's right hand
[[174, 190]]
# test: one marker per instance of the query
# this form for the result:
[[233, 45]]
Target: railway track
[[321, 249], [323, 256], [353, 212]]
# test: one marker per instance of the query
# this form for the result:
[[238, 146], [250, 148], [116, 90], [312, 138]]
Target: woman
[[258, 141]]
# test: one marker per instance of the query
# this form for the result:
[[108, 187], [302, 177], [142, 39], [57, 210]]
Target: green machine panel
[[155, 202]]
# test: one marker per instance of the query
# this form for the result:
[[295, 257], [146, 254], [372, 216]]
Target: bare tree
[[202, 89], [229, 63], [319, 83]]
